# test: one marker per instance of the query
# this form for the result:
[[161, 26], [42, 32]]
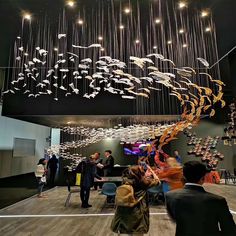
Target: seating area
[[109, 190]]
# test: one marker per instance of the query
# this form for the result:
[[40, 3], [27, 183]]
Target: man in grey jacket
[[195, 211]]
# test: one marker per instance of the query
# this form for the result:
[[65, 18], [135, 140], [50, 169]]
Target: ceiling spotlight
[[204, 13], [158, 21], [137, 41], [121, 27], [208, 29], [27, 16], [127, 10], [181, 31], [70, 3], [154, 47], [55, 49], [169, 42], [182, 5], [185, 45], [80, 22], [100, 38]]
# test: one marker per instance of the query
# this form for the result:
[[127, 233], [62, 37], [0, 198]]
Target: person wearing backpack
[[132, 209]]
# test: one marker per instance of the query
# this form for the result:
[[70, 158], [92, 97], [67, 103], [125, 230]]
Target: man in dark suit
[[52, 166], [109, 163], [197, 212]]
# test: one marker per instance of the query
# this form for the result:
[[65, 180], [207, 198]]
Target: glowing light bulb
[[137, 41], [181, 31], [208, 29], [204, 13], [169, 42], [27, 16], [100, 38], [182, 5], [80, 22], [185, 45], [127, 10], [70, 3], [121, 27], [158, 21]]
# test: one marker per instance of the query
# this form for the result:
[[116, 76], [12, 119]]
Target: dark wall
[[207, 128], [232, 63]]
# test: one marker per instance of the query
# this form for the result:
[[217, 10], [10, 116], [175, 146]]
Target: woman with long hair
[[40, 174], [135, 220]]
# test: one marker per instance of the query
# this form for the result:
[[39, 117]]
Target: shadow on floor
[[16, 188]]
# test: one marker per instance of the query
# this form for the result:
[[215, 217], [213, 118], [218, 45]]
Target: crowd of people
[[195, 211]]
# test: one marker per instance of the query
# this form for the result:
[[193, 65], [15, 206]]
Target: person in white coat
[[40, 174]]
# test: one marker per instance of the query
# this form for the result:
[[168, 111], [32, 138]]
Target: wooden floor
[[35, 216]]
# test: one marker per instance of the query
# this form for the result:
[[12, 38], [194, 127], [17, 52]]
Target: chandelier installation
[[156, 53]]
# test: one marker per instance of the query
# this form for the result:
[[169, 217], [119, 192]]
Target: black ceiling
[[103, 121], [10, 19]]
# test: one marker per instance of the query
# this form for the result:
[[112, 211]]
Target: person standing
[[87, 169], [135, 220], [40, 175], [99, 171], [109, 163], [195, 211], [52, 167], [173, 175]]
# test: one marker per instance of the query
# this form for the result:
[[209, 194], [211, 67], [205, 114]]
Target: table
[[110, 179]]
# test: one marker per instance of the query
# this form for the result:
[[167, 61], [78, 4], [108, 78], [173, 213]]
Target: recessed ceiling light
[[137, 41], [208, 29], [204, 13], [100, 38], [182, 5], [70, 3], [80, 22], [127, 10], [181, 31], [121, 27], [158, 21], [27, 16]]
